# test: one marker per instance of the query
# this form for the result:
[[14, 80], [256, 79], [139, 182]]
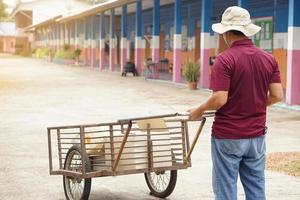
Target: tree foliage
[[3, 13]]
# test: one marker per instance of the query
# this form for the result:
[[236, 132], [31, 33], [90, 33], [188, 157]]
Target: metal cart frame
[[118, 140]]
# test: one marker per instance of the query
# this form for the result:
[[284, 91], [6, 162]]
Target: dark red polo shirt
[[245, 71]]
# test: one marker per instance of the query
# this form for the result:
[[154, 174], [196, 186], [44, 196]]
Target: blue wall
[[277, 9], [191, 11]]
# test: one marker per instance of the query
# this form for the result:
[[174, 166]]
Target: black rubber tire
[[87, 181], [169, 189]]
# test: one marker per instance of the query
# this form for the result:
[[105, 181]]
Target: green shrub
[[191, 71], [77, 53], [64, 55], [41, 52]]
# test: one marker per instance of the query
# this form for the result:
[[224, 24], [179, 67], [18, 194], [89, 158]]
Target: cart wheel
[[75, 188], [161, 184]]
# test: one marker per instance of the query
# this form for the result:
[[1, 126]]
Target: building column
[[243, 3], [112, 42], [57, 37], [93, 41], [45, 36], [62, 35], [54, 36], [156, 31], [124, 37], [138, 37], [177, 43], [102, 42], [86, 43], [48, 36], [205, 43], [50, 32], [76, 34], [67, 33], [293, 57], [72, 34]]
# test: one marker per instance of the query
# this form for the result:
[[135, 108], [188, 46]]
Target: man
[[245, 80]]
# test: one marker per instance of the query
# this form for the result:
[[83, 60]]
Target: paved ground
[[35, 95]]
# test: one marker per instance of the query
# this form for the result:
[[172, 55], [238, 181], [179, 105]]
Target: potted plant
[[66, 47], [191, 71], [77, 53]]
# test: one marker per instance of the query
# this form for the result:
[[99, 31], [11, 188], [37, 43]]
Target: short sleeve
[[275, 78], [220, 76]]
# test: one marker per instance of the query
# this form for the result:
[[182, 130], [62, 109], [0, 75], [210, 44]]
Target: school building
[[170, 32]]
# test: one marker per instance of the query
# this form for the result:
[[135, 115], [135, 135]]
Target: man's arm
[[275, 93], [215, 102]]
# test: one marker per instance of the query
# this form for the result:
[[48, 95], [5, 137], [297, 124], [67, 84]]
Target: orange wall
[[281, 57]]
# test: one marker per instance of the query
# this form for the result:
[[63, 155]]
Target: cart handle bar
[[187, 159], [206, 114]]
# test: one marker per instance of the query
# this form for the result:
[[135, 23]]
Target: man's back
[[246, 72]]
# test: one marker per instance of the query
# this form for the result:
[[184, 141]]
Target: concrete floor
[[35, 95]]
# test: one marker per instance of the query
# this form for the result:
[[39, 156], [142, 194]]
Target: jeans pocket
[[261, 144], [232, 147]]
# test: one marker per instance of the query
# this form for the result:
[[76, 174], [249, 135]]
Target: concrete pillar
[[102, 42], [243, 3], [62, 35], [293, 57], [52, 35], [156, 30], [67, 33], [58, 36], [177, 43], [72, 34], [86, 43], [76, 42], [138, 38], [124, 37], [93, 41], [57, 42], [205, 43], [112, 42]]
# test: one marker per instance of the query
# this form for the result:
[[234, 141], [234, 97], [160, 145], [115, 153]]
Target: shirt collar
[[242, 42]]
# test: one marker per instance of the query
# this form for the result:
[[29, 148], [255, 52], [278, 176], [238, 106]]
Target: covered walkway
[[174, 31]]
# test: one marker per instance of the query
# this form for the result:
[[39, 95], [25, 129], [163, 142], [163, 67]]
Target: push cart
[[157, 146]]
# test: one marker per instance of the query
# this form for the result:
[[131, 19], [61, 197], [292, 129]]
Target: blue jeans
[[245, 157]]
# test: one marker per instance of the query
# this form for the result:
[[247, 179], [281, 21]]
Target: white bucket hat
[[236, 18]]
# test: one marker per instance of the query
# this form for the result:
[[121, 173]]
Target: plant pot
[[192, 85]]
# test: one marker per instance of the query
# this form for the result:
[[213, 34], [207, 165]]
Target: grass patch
[[288, 163]]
